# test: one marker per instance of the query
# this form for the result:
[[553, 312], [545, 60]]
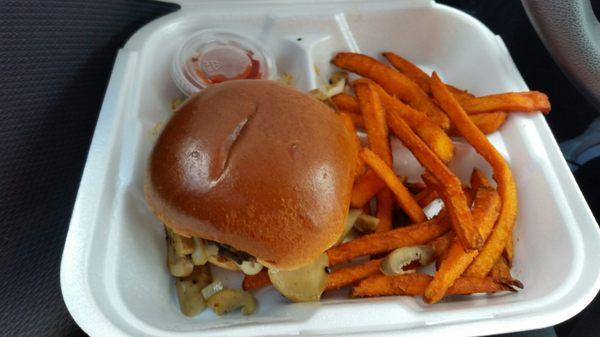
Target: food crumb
[[156, 129], [286, 78], [317, 70], [176, 102]]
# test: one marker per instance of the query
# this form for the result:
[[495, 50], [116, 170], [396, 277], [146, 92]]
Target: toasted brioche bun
[[256, 165]]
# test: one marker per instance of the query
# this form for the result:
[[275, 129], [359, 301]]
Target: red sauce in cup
[[213, 56], [225, 63]]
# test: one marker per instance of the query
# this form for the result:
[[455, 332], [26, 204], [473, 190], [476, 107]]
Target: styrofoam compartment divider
[[113, 274]]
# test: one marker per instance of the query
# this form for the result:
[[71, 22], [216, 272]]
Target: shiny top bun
[[256, 165]]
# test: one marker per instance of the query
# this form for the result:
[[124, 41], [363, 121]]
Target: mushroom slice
[[189, 290], [179, 265], [183, 245], [250, 267], [366, 223], [353, 214], [305, 284], [396, 262], [228, 300]]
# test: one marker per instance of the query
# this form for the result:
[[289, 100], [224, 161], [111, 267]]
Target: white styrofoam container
[[113, 274]]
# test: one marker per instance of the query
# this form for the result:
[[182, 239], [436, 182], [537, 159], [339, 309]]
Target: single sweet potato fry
[[374, 118], [350, 275], [376, 243], [442, 243], [415, 284], [253, 282], [378, 136], [478, 179], [409, 69], [486, 122], [441, 246], [357, 120], [403, 197], [367, 209], [485, 212], [509, 250], [502, 174], [385, 210], [469, 285], [440, 259], [395, 83], [501, 273], [437, 140], [426, 196], [365, 188], [346, 102], [468, 195], [383, 285], [528, 101], [352, 131], [459, 94], [415, 187], [451, 188]]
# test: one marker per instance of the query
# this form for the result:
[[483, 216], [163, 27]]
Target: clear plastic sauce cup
[[214, 56]]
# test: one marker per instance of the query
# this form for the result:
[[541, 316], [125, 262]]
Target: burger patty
[[233, 254]]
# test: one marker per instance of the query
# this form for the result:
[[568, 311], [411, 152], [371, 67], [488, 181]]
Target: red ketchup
[[225, 63], [213, 56]]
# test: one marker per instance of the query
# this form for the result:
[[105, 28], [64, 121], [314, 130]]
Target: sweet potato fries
[[473, 229]]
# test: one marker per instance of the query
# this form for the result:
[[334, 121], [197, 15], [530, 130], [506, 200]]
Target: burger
[[252, 174]]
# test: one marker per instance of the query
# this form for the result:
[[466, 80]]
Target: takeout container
[[113, 274]]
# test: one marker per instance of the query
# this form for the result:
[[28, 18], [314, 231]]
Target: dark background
[[55, 62]]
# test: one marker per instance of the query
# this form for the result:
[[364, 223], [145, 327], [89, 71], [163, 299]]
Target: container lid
[[213, 56]]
